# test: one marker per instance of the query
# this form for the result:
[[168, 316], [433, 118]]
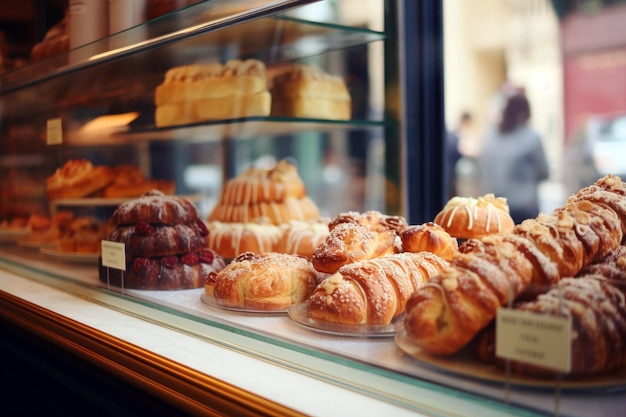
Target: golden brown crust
[[269, 281], [78, 178], [193, 93], [231, 239], [273, 212], [264, 185], [447, 313], [351, 242], [274, 196], [429, 237], [473, 218], [374, 291]]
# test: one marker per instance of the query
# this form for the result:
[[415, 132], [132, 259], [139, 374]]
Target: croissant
[[429, 237], [444, 315], [351, 242], [374, 291], [596, 302], [268, 281]]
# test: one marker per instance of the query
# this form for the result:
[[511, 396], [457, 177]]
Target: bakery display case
[[88, 135]]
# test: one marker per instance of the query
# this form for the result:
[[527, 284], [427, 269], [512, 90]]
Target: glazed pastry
[[302, 237], [269, 281], [598, 314], [446, 314], [231, 239], [372, 292], [467, 218], [350, 242], [429, 237], [274, 196]]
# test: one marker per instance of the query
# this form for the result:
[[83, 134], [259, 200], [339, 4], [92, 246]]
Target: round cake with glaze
[[231, 239], [300, 237], [467, 217]]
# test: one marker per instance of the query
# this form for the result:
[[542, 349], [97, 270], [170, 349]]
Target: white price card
[[534, 338], [114, 255], [54, 131]]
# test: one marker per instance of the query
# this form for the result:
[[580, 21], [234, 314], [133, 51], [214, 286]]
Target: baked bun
[[156, 208], [78, 178], [373, 220], [174, 272], [269, 281], [302, 237], [429, 237], [231, 239], [467, 217], [308, 91], [350, 242]]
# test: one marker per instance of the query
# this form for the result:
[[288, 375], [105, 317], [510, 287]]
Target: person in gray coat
[[513, 161]]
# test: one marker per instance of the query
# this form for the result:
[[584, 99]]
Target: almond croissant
[[374, 291], [444, 315]]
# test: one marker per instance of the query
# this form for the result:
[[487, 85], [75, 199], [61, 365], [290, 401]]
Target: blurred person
[[513, 161], [454, 154]]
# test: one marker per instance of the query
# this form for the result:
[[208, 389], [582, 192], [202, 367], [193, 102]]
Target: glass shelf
[[246, 128]]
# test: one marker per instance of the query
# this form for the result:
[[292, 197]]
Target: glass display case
[[97, 102]]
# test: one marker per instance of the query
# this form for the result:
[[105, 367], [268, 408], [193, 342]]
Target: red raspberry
[[204, 231], [169, 261], [140, 264], [190, 259], [206, 257], [144, 229]]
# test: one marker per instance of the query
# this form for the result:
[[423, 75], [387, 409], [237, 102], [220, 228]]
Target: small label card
[[114, 255], [533, 338], [54, 132]]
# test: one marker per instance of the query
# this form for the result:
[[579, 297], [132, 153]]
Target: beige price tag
[[54, 132], [114, 255], [533, 338]]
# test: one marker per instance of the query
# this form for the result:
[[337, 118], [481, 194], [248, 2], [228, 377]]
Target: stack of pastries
[[261, 206], [165, 244], [447, 313]]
